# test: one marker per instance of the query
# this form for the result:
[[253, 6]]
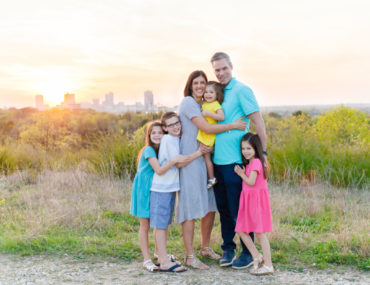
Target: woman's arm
[[203, 125], [160, 170], [218, 116], [251, 180]]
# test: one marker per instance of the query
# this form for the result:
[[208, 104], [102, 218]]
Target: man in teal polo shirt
[[239, 101]]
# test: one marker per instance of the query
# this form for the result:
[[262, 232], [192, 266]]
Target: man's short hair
[[220, 55]]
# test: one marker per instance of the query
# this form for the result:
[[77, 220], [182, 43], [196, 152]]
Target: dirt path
[[46, 269]]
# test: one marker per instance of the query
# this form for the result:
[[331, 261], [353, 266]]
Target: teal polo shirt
[[239, 101]]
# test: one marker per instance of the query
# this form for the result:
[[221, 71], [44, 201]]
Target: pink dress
[[254, 207]]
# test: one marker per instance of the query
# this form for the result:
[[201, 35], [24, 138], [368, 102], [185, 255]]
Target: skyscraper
[[39, 102], [69, 99], [69, 102], [96, 102], [109, 99], [148, 100]]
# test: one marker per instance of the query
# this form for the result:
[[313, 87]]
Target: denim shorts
[[161, 209]]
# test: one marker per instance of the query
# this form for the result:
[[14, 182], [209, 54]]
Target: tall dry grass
[[332, 147], [322, 213], [51, 199], [310, 222]]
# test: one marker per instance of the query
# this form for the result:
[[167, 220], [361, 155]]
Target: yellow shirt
[[209, 139]]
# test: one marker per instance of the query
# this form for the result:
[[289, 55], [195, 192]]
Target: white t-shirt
[[170, 181]]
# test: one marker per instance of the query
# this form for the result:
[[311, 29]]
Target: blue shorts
[[161, 209]]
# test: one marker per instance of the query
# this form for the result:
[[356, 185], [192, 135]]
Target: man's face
[[223, 70]]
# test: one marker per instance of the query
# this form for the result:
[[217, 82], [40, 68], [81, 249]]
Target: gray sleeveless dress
[[194, 200]]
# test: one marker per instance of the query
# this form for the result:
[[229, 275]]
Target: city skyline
[[290, 53], [107, 105]]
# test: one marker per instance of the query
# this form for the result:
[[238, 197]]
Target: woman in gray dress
[[195, 200]]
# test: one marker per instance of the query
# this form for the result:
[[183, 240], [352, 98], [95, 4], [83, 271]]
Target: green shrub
[[332, 147]]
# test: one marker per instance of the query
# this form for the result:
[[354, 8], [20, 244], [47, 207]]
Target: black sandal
[[172, 269]]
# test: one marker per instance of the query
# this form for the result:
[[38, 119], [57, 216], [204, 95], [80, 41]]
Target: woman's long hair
[[148, 142], [189, 83], [255, 142]]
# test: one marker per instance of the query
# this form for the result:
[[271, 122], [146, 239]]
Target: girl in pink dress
[[254, 207]]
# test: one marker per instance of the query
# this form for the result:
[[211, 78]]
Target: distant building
[[107, 105], [148, 101], [69, 102], [139, 107], [120, 107], [109, 99], [69, 99], [39, 103], [96, 103]]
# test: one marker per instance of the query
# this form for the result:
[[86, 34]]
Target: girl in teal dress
[[147, 165]]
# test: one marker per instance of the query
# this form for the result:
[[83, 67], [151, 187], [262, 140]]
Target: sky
[[289, 52]]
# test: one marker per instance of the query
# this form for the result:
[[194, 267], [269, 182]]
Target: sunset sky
[[289, 52]]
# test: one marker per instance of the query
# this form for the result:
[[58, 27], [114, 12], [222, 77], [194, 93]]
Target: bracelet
[[265, 153]]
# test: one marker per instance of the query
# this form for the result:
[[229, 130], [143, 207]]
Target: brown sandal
[[208, 252], [196, 263]]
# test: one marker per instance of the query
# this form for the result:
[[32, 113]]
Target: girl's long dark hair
[[255, 142], [148, 142]]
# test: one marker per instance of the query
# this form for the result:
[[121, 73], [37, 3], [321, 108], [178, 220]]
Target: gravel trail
[[54, 269]]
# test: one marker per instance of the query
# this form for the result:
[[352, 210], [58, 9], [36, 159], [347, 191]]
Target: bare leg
[[249, 244], [209, 165], [206, 225], [188, 235], [156, 248], [266, 250], [161, 237], [155, 241], [143, 237]]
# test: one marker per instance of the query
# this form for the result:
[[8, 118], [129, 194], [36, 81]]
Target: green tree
[[344, 126]]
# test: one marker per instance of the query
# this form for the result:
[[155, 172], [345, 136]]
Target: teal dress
[[141, 186]]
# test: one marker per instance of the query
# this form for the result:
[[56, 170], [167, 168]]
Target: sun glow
[[54, 88]]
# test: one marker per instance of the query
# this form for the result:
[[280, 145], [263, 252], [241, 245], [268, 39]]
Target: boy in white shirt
[[164, 188]]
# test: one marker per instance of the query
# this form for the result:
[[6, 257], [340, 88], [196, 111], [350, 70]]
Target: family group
[[176, 167]]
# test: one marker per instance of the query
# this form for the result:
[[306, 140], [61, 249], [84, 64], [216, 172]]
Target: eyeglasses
[[174, 124]]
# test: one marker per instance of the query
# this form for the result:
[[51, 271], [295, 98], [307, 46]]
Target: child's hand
[[238, 170], [206, 113], [205, 149], [180, 158]]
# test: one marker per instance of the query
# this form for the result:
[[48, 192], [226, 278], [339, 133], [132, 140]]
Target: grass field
[[82, 213], [333, 147]]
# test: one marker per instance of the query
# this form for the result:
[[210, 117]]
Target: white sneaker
[[263, 270]]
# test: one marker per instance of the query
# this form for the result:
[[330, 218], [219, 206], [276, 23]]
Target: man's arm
[[259, 125]]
